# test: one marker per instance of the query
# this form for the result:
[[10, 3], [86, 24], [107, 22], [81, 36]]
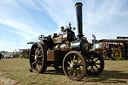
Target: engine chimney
[[79, 19]]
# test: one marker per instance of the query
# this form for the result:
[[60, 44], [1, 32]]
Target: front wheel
[[74, 65]]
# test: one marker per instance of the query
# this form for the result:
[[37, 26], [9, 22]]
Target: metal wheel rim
[[74, 66], [117, 54], [36, 58]]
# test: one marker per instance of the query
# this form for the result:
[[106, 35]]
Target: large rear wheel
[[74, 65], [38, 57]]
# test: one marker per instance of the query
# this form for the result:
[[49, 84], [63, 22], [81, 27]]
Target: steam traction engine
[[66, 51]]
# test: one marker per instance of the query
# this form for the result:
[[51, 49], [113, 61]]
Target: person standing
[[1, 55]]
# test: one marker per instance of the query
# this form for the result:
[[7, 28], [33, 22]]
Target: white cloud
[[99, 17], [19, 28], [61, 12], [18, 21]]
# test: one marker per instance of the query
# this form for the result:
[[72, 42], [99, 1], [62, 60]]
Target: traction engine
[[66, 52]]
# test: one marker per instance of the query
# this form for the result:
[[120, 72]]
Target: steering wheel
[[41, 37]]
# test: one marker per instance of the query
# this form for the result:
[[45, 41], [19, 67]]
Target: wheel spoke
[[38, 67], [68, 62], [74, 73], [40, 61], [70, 71], [93, 69], [34, 62], [79, 64], [39, 51], [96, 60], [79, 68], [96, 66], [87, 65], [71, 59], [39, 64], [74, 58], [88, 60], [41, 56], [77, 71], [98, 63], [78, 59], [68, 67]]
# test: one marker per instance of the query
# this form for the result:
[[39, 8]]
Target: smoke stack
[[79, 18]]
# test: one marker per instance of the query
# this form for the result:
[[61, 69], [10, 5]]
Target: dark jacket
[[1, 55]]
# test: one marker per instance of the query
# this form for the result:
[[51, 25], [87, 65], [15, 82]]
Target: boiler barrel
[[80, 45]]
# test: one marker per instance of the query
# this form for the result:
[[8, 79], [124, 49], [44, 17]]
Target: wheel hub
[[92, 63], [36, 56], [72, 65]]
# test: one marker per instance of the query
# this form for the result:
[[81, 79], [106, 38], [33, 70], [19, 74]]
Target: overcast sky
[[22, 21]]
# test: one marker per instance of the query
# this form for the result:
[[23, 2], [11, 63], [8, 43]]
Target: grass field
[[115, 72]]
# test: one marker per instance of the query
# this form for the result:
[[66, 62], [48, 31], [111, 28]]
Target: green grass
[[115, 72]]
